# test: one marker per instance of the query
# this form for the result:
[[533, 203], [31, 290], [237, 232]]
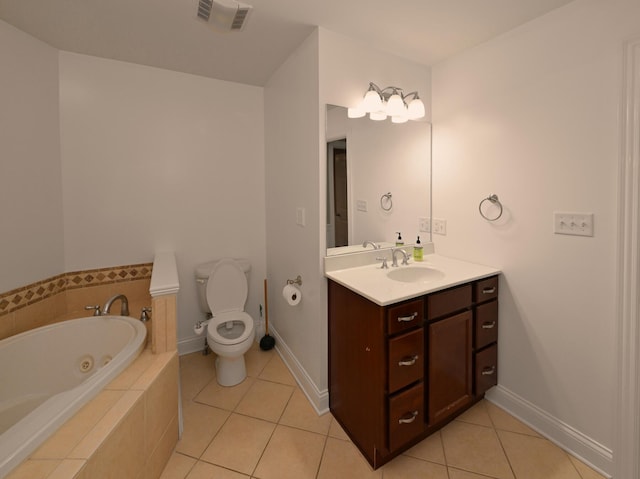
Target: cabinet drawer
[[406, 359], [405, 316], [406, 416], [486, 324], [449, 301], [486, 369], [485, 289]]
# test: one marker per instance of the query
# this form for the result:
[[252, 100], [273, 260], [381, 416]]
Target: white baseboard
[[319, 399], [191, 345], [568, 438]]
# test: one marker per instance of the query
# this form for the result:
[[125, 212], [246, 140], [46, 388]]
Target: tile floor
[[266, 428]]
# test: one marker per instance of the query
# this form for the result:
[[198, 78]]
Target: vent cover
[[224, 17]]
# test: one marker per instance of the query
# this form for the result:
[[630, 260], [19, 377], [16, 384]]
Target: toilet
[[222, 291]]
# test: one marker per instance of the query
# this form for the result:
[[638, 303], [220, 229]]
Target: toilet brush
[[267, 342]]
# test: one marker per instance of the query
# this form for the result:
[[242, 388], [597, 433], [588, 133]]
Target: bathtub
[[48, 373]]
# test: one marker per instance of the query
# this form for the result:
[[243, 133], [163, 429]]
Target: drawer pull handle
[[408, 361], [490, 325], [489, 290], [406, 319], [488, 371], [408, 420]]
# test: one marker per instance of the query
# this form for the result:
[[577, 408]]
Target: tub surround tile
[[65, 439], [158, 459], [129, 376], [161, 402], [38, 314], [164, 331], [107, 424], [67, 468], [34, 469], [7, 325]]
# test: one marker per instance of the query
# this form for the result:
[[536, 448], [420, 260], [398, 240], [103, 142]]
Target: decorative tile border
[[32, 293]]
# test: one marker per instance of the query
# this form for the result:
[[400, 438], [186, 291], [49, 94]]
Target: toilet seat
[[221, 319], [226, 296]]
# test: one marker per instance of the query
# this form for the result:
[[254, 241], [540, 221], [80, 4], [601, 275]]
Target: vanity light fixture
[[391, 101]]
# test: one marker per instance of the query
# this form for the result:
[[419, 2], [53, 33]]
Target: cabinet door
[[450, 366]]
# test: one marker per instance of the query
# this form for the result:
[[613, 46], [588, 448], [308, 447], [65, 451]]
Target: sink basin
[[414, 274]]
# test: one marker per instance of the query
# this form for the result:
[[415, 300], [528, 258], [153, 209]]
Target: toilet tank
[[202, 276]]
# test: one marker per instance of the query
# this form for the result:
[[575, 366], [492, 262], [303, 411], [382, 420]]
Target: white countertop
[[373, 283]]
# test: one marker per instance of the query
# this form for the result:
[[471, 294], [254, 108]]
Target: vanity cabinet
[[398, 373]]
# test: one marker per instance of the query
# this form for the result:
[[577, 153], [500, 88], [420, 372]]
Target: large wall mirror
[[378, 181]]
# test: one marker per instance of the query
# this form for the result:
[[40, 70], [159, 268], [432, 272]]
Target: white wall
[[157, 160], [532, 116], [30, 171]]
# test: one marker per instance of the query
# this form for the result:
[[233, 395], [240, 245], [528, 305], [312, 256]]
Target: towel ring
[[388, 202], [495, 201]]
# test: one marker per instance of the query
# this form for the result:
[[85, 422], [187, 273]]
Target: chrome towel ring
[[386, 203], [493, 199]]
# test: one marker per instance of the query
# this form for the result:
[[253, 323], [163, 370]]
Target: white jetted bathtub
[[48, 373]]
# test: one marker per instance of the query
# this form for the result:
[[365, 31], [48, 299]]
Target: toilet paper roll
[[291, 294]]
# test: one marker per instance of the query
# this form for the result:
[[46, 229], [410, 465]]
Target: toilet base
[[230, 371]]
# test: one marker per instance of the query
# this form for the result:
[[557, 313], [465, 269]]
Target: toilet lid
[[227, 287]]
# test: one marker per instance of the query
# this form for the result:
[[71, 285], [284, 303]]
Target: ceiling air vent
[[222, 16]]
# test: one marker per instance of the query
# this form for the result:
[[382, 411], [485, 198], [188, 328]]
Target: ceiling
[[167, 34]]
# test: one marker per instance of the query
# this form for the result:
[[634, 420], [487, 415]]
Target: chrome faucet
[[405, 256], [124, 306], [370, 243]]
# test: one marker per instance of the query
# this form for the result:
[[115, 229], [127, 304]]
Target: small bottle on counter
[[418, 250], [399, 240]]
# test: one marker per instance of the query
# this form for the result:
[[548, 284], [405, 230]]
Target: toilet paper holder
[[297, 281]]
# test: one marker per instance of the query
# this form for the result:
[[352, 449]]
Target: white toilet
[[222, 290]]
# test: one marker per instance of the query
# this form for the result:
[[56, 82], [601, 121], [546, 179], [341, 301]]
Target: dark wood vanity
[[398, 373]]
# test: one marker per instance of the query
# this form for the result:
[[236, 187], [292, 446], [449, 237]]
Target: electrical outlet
[[578, 224], [424, 225], [439, 226]]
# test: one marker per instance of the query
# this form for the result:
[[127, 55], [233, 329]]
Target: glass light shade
[[395, 105], [378, 115], [399, 119], [357, 112], [415, 109], [371, 101]]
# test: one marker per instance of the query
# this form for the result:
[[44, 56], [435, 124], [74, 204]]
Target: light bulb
[[399, 119], [415, 109], [371, 101], [395, 105], [378, 115]]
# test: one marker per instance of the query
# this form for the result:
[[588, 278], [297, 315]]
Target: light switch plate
[[439, 226], [424, 225], [361, 205], [578, 224], [301, 217]]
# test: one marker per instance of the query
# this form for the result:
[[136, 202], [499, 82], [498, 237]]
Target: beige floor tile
[[299, 413], [404, 467], [202, 470], [460, 474], [342, 459], [223, 397], [335, 430], [536, 458], [178, 466], [429, 449], [585, 471], [506, 422], [201, 424], [475, 448], [477, 414], [265, 400], [291, 454], [239, 444], [277, 371], [256, 359], [196, 371]]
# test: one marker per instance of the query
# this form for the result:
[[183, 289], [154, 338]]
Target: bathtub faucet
[[124, 306]]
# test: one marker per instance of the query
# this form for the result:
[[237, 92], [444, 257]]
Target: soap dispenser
[[399, 240], [417, 250]]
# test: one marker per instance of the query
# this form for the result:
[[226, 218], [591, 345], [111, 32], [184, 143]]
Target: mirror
[[378, 181]]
